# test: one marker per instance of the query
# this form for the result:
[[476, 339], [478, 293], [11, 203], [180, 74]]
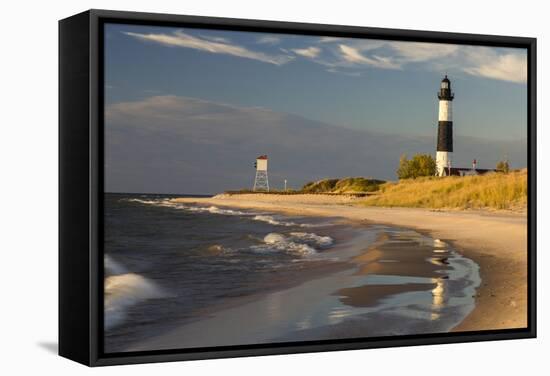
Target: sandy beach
[[496, 241]]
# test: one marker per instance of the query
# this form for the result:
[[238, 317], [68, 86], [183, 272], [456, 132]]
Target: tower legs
[[261, 182]]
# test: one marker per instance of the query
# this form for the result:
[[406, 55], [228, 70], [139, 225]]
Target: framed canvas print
[[238, 187]]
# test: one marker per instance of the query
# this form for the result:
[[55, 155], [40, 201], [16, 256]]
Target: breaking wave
[[112, 267], [164, 202], [301, 243], [323, 241], [122, 290], [277, 222], [213, 210], [201, 209], [216, 210]]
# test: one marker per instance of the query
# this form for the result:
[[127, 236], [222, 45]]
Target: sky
[[227, 95]]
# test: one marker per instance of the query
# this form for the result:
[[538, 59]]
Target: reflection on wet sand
[[438, 298], [402, 262]]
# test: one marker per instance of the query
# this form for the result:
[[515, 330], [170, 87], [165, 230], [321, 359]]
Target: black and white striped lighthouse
[[445, 129]]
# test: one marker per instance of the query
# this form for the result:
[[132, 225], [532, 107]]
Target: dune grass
[[490, 191], [345, 185]]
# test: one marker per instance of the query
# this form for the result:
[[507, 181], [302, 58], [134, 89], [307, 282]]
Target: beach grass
[[490, 191], [344, 185]]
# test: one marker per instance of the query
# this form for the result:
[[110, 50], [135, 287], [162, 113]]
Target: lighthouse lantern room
[[445, 129]]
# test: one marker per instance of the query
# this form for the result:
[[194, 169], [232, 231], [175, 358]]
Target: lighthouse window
[[444, 85]]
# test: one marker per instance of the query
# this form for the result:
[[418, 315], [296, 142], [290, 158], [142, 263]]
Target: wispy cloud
[[330, 39], [393, 55], [269, 39], [175, 110], [215, 39], [492, 63], [410, 52], [310, 52], [487, 63], [354, 56], [180, 39], [345, 73]]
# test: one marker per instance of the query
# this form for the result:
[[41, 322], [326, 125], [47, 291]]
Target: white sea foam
[[140, 201], [274, 238], [122, 290], [323, 241], [213, 210], [269, 219], [301, 243], [159, 202], [277, 222], [278, 243], [112, 267], [216, 210], [202, 209]]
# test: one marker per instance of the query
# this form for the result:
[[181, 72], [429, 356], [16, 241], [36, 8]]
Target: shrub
[[419, 165], [325, 185], [345, 185], [503, 166]]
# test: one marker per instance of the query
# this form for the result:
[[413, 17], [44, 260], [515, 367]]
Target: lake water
[[176, 273]]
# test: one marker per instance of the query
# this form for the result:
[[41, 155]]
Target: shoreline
[[339, 301], [496, 241]]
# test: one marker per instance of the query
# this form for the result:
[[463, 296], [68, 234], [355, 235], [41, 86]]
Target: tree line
[[424, 165]]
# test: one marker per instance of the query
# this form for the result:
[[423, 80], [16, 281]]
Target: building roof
[[262, 157]]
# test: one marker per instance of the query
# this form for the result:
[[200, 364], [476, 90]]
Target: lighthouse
[[444, 129]]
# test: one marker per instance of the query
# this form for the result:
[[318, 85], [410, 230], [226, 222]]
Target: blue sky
[[356, 83], [167, 87]]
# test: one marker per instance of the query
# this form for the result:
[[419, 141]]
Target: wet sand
[[391, 256], [351, 302], [496, 241]]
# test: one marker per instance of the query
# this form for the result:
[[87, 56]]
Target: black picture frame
[[81, 186]]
